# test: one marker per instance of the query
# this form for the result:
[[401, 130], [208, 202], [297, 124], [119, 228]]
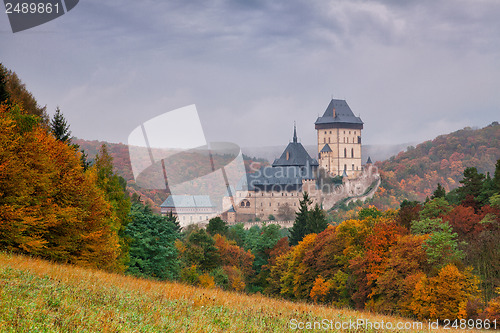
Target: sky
[[411, 69]]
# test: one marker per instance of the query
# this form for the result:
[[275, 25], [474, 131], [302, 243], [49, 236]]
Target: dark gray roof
[[231, 210], [190, 201], [369, 160], [278, 176], [295, 155], [342, 115], [326, 149]]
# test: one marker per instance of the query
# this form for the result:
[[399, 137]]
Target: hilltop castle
[[276, 190]]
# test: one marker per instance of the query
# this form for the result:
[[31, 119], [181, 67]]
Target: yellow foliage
[[206, 281], [320, 289], [444, 296]]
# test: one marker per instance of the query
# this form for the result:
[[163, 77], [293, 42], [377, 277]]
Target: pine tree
[[217, 226], [4, 94], [496, 177], [299, 229], [317, 221], [440, 192], [60, 127]]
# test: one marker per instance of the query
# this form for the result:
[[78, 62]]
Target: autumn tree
[[444, 296]]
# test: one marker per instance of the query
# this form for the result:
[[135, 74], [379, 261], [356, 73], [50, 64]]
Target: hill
[[39, 296], [415, 173]]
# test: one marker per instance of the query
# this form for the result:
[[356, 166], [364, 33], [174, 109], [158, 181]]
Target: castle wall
[[346, 151]]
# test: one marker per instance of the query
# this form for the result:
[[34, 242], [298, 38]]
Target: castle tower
[[339, 140]]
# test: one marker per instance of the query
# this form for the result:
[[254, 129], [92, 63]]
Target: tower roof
[[295, 154], [369, 160], [326, 149], [338, 114]]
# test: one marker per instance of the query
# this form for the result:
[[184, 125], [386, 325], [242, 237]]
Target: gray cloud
[[412, 69]]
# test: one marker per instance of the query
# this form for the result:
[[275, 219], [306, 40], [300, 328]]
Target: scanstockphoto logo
[[170, 152], [26, 14]]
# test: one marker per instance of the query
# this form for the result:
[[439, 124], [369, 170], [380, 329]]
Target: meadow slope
[[39, 296]]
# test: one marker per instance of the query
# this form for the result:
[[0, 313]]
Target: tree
[[18, 94], [217, 226], [440, 192], [285, 212], [200, 251], [4, 94], [472, 183], [496, 177], [444, 296], [60, 127], [152, 248], [299, 229], [114, 187], [316, 222]]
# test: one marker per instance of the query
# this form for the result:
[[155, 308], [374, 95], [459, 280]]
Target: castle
[[275, 191]]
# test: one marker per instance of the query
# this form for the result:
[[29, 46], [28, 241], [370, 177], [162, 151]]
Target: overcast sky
[[413, 69]]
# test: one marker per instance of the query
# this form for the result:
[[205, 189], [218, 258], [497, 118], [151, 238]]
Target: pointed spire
[[369, 160], [294, 133]]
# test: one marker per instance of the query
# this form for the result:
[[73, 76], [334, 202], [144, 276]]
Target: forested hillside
[[415, 173]]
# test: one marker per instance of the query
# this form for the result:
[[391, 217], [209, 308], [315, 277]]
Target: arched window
[[328, 140], [242, 204], [248, 202], [345, 167], [352, 152], [345, 152], [353, 166]]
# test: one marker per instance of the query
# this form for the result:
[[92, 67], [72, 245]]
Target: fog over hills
[[376, 152]]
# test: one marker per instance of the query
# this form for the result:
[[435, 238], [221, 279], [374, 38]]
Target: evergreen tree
[[60, 127], [440, 192], [299, 229], [4, 94], [472, 183], [201, 251], [152, 248], [496, 177], [217, 226], [175, 221], [317, 221], [487, 191]]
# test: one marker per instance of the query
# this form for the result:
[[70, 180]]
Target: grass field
[[39, 296]]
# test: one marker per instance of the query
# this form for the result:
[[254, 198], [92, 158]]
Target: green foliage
[[317, 220], [369, 212], [217, 226], [201, 251], [442, 245], [496, 177], [4, 94], [299, 229], [440, 192], [472, 184], [60, 127], [271, 217], [435, 208], [152, 247]]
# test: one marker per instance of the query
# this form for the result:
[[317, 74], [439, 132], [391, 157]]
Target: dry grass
[[39, 296]]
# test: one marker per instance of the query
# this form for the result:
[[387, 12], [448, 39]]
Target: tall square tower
[[339, 140]]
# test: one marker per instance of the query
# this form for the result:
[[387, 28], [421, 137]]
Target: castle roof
[[338, 114], [189, 201], [369, 160], [280, 177], [326, 149], [295, 155]]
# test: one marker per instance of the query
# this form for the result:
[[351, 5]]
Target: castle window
[[261, 204], [352, 152], [349, 132], [295, 204], [242, 204], [345, 167], [248, 202], [324, 140], [353, 166], [354, 132], [344, 132], [345, 152], [287, 155], [325, 132], [359, 139], [282, 194], [278, 204], [328, 140], [269, 204], [344, 140]]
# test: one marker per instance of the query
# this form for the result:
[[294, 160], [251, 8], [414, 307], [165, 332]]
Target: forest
[[436, 255]]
